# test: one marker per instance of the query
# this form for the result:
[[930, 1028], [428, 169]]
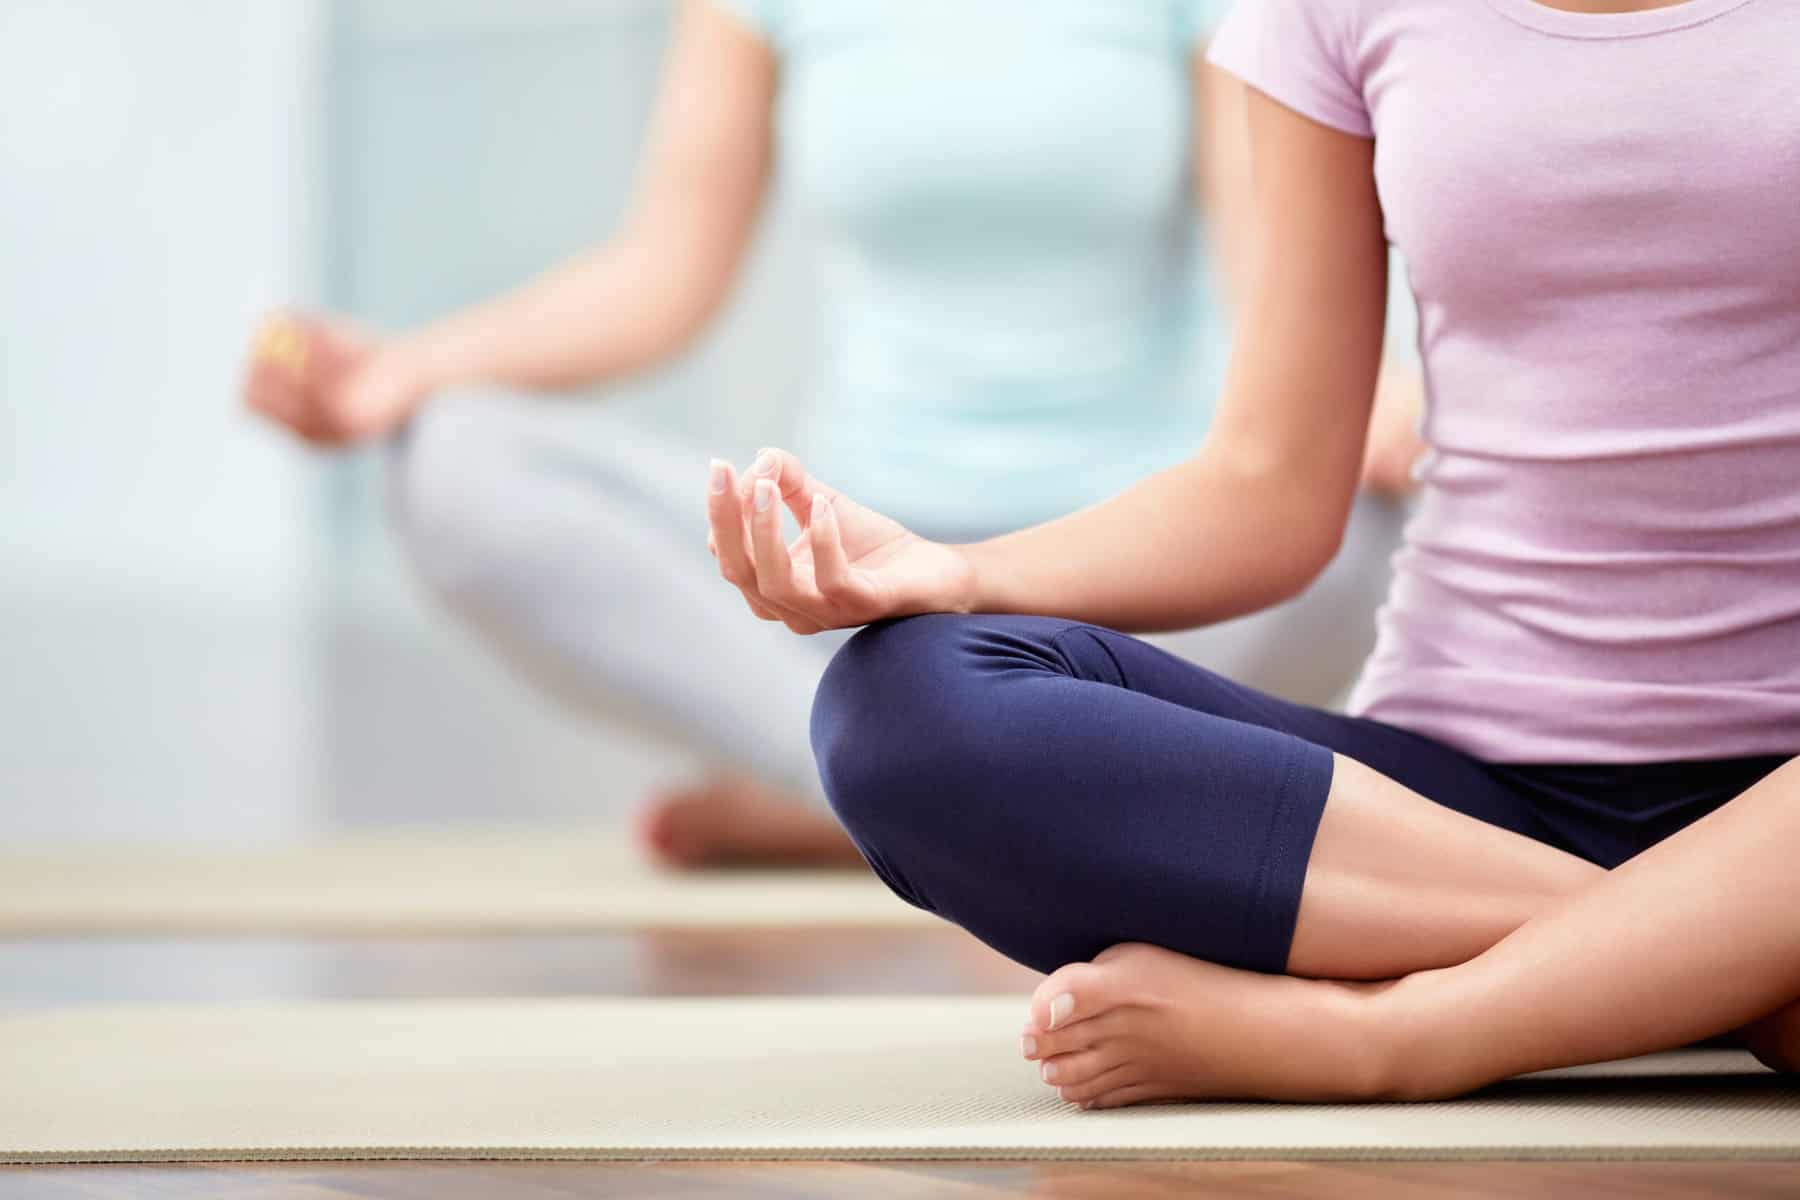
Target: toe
[[1077, 992], [1134, 1093], [651, 824], [1076, 1036], [1775, 1040], [1107, 1083], [1080, 1069], [662, 834]]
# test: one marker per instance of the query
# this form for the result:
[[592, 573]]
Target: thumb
[[373, 398]]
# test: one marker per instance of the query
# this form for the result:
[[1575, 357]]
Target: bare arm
[[649, 289], [1222, 178], [1223, 186], [623, 306], [1260, 511], [1249, 521]]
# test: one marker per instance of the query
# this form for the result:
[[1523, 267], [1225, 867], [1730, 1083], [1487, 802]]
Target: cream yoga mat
[[471, 882], [816, 1078]]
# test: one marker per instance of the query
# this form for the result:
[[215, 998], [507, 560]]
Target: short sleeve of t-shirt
[[1202, 18], [763, 17], [1297, 52]]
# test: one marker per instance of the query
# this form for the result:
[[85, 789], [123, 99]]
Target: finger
[[796, 487], [726, 523], [775, 579], [282, 343], [267, 391], [279, 378], [278, 399], [831, 566], [366, 408], [777, 583], [272, 368]]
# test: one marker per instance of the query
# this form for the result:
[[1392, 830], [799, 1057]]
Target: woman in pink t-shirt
[[1564, 810]]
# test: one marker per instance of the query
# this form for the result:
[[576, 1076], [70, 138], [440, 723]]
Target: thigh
[[1056, 787], [1440, 773], [575, 542]]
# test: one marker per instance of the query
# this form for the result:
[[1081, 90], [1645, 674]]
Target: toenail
[[1049, 1072], [1060, 1008], [1028, 1045]]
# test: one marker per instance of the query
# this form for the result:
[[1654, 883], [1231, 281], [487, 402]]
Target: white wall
[[156, 550]]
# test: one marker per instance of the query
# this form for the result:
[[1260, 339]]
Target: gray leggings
[[575, 542]]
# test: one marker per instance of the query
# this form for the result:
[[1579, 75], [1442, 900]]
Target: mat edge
[[1752, 1153]]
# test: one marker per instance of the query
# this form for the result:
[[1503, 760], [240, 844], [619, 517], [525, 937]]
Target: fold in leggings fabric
[[1057, 788]]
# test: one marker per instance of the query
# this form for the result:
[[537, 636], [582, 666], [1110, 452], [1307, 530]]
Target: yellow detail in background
[[282, 344]]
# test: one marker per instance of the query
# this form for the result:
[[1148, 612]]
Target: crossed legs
[[1570, 964], [1432, 950]]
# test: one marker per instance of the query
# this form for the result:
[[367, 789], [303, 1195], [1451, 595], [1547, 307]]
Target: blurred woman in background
[[1020, 323]]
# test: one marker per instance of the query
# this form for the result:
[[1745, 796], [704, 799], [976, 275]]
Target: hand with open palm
[[849, 566]]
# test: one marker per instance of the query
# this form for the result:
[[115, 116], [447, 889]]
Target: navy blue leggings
[[1057, 788]]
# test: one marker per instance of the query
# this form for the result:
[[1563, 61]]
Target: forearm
[[1250, 520], [620, 308], [1696, 936], [1260, 511], [1217, 537], [638, 299]]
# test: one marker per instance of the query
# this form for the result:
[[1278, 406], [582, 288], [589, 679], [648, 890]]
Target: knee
[[870, 712], [447, 499], [897, 725], [888, 749]]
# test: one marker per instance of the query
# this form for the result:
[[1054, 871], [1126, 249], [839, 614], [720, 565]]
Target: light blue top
[[1020, 319]]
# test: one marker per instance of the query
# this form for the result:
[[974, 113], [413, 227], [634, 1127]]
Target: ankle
[[1370, 1056], [1411, 1056]]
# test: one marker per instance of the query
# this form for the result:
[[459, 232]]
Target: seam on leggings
[[1274, 844]]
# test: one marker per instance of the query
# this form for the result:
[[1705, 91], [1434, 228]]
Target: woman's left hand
[[850, 565]]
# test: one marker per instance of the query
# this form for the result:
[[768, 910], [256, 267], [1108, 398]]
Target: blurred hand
[[1394, 445], [848, 567], [329, 382]]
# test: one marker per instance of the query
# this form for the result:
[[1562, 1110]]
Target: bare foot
[[728, 820], [1140, 1024]]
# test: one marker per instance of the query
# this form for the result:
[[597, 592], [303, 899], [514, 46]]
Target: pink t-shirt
[[1601, 214]]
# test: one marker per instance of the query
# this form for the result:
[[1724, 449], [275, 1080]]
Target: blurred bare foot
[[732, 821]]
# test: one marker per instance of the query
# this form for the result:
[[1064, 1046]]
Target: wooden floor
[[560, 1181], [56, 972]]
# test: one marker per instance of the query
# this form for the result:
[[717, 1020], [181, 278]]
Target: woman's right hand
[[849, 566], [329, 382]]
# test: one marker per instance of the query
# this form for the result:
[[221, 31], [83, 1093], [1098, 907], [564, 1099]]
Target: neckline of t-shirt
[[1563, 23]]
